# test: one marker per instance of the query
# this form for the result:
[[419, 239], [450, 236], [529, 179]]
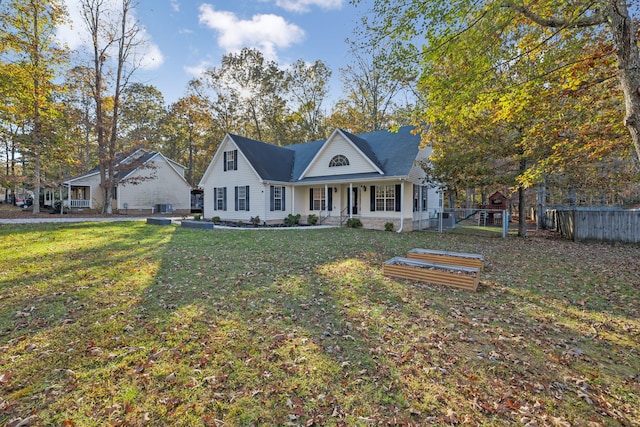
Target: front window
[[420, 197], [385, 197], [231, 160], [242, 198], [220, 201], [319, 199], [277, 198]]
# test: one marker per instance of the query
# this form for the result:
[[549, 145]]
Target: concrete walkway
[[178, 220], [56, 219]]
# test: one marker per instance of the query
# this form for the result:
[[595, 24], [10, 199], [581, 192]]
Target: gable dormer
[[342, 155]]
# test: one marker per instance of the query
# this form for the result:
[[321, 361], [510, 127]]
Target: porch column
[[293, 199], [401, 206], [350, 200], [326, 200]]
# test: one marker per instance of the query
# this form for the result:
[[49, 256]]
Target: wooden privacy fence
[[595, 224]]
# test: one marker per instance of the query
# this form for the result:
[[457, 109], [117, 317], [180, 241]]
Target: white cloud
[[175, 6], [198, 70], [302, 6], [266, 32], [75, 35]]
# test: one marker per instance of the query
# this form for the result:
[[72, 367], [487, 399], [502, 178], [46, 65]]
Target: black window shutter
[[271, 198], [236, 198], [311, 199], [416, 197], [246, 203], [330, 199], [373, 198], [215, 199], [398, 201], [224, 160], [224, 199], [284, 192], [235, 160]]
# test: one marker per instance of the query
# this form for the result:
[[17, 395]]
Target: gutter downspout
[[266, 196], [401, 207]]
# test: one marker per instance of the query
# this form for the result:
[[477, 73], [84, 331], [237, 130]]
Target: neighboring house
[[146, 181], [375, 177]]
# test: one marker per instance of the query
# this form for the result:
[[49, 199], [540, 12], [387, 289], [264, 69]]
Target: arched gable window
[[339, 160]]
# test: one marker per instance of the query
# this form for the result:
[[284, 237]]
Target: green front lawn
[[132, 324]]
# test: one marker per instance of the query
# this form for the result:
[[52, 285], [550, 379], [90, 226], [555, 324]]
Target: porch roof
[[346, 179]]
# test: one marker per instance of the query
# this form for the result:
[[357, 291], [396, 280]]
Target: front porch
[[79, 197]]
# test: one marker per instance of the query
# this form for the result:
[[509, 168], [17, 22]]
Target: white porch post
[[350, 200], [293, 199], [326, 200]]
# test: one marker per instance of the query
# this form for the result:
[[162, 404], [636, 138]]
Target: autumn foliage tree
[[511, 88], [31, 48], [114, 36], [430, 27]]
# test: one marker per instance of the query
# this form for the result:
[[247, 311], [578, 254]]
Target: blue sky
[[184, 37]]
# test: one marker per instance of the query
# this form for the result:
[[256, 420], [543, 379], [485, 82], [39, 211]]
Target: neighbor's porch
[[79, 197]]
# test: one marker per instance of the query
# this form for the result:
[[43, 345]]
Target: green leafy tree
[[189, 135], [308, 88], [374, 86], [142, 111], [486, 71], [78, 115], [30, 45], [246, 92], [443, 23]]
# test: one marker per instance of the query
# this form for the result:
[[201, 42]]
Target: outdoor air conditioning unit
[[164, 209]]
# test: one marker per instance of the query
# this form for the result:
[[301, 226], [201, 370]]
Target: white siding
[[96, 193], [338, 145], [217, 177], [417, 174], [159, 184]]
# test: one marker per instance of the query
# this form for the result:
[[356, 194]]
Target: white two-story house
[[376, 177]]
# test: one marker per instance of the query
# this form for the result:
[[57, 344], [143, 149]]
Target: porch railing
[[80, 203], [344, 215]]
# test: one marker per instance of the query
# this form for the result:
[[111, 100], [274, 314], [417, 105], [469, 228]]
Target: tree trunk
[[624, 34], [522, 213]]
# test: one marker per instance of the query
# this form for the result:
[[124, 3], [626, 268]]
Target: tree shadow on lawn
[[305, 329], [72, 268], [301, 327], [72, 293]]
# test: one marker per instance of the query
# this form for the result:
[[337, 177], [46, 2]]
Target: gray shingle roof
[[271, 162], [392, 152], [125, 164]]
